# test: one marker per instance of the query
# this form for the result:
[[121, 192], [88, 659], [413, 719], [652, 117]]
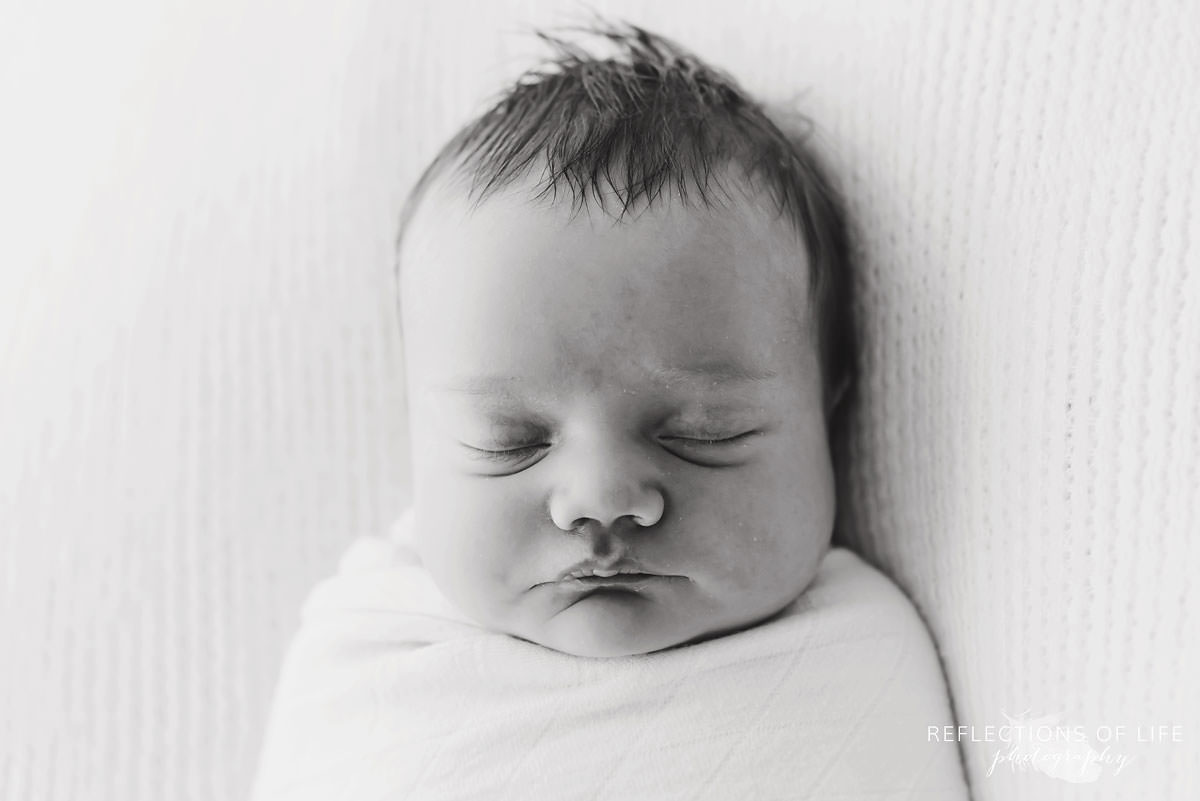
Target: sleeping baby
[[626, 328]]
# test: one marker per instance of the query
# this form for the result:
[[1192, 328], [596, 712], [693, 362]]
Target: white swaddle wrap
[[388, 692]]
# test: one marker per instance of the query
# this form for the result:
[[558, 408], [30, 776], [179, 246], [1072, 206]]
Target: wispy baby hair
[[648, 123]]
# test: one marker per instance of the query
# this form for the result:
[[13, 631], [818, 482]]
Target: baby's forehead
[[674, 248], [525, 279], [731, 213]]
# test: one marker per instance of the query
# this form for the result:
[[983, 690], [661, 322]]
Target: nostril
[[575, 507], [623, 525]]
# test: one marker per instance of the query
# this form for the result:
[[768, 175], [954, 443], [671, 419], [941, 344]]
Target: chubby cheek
[[474, 535], [737, 541], [764, 533]]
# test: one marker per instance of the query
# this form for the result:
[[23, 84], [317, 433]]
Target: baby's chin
[[617, 624], [610, 623]]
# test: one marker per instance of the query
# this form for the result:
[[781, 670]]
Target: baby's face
[[588, 396]]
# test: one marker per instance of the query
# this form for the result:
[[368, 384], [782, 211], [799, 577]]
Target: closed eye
[[516, 454], [713, 441]]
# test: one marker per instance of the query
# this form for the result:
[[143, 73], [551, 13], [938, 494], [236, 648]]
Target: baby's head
[[624, 310]]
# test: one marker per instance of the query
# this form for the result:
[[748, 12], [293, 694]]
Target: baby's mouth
[[594, 568], [604, 572], [625, 581], [621, 576]]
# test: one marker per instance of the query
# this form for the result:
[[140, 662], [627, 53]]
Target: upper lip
[[592, 567]]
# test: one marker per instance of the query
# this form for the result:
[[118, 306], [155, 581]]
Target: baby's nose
[[645, 514], [605, 493]]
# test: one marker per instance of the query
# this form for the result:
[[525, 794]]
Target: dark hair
[[654, 118]]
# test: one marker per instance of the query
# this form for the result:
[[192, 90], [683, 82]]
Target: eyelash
[[519, 453], [506, 455], [715, 440]]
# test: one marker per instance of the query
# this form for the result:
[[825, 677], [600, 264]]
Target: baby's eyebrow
[[713, 371], [723, 371]]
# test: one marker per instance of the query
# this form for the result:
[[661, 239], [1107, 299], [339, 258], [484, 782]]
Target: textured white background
[[200, 397]]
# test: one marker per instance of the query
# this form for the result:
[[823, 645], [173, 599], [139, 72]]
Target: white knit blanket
[[389, 693]]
